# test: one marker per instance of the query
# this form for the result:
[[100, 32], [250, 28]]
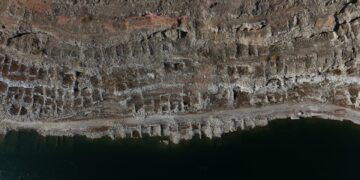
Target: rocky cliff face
[[175, 68]]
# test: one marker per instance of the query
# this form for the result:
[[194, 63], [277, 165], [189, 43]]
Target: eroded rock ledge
[[175, 68]]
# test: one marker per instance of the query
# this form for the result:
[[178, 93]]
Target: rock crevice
[[176, 69]]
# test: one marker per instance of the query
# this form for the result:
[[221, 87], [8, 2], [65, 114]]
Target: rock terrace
[[175, 68]]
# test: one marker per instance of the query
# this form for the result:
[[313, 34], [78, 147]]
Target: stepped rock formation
[[133, 68]]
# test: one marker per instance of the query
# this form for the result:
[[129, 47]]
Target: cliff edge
[[175, 68]]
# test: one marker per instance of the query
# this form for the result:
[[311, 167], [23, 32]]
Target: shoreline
[[185, 127]]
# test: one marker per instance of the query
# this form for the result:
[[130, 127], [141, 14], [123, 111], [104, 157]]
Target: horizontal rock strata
[[175, 68]]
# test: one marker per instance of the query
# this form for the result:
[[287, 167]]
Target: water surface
[[301, 149]]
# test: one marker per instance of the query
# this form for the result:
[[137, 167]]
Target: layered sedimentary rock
[[175, 68]]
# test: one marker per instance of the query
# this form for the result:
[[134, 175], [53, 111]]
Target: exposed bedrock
[[175, 68]]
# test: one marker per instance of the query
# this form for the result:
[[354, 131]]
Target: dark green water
[[306, 149]]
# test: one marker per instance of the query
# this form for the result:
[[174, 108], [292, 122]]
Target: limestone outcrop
[[175, 68]]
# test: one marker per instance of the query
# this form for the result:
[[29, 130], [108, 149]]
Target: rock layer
[[175, 68]]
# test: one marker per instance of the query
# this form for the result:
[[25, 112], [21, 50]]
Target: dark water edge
[[286, 149]]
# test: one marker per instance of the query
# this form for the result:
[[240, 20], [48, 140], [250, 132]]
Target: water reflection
[[306, 149]]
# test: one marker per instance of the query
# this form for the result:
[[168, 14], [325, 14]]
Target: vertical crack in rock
[[178, 69]]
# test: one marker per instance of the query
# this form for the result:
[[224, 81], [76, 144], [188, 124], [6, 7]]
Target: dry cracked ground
[[176, 68]]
